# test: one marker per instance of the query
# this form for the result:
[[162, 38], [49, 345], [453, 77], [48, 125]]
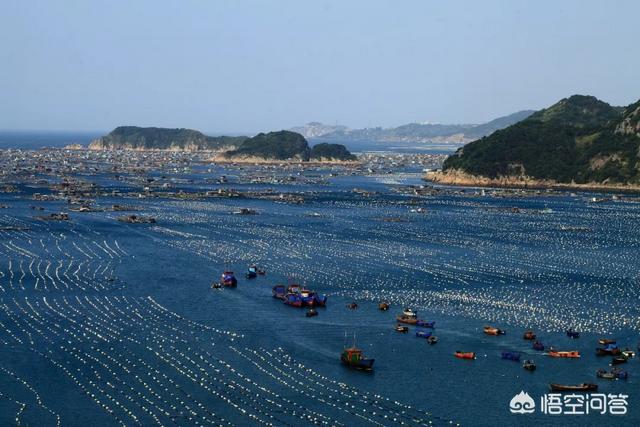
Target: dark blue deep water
[[105, 323]]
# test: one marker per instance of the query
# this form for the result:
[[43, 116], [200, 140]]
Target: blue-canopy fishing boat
[[279, 291], [228, 279], [252, 272]]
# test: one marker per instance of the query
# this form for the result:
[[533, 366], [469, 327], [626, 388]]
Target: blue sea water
[[33, 140], [107, 323]]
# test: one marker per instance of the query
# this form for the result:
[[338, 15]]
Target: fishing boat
[[216, 285], [469, 355], [578, 387], [573, 354], [410, 313], [605, 375], [353, 358], [383, 306], [573, 334], [407, 319], [608, 350], [529, 336], [312, 312], [538, 346], [618, 360], [228, 279], [490, 330], [293, 299], [620, 374], [279, 291], [510, 355], [252, 272], [403, 329], [606, 341], [628, 353], [352, 306], [432, 339], [319, 300], [423, 334], [529, 365]]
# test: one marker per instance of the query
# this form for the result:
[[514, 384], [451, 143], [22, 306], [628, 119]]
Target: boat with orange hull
[[469, 355]]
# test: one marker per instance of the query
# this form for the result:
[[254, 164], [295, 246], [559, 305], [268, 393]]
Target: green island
[[287, 145], [154, 138], [579, 141]]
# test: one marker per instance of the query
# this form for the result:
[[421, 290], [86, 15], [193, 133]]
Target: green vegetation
[[152, 138], [331, 152], [282, 145], [287, 145], [579, 139]]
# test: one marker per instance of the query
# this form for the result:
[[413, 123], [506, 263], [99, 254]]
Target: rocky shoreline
[[461, 178]]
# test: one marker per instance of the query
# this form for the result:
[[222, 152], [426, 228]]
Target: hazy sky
[[245, 66]]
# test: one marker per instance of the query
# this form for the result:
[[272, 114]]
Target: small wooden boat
[[573, 354], [423, 334], [573, 334], [578, 387], [432, 339], [538, 346], [529, 365], [529, 336], [628, 353], [353, 358], [606, 341], [618, 360], [312, 312], [469, 355], [601, 373], [490, 330], [510, 355], [407, 319], [383, 306], [403, 329], [609, 350]]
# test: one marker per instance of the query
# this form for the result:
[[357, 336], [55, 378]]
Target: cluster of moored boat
[[298, 296], [295, 295], [608, 347]]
